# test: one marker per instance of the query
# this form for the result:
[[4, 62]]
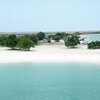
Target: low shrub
[[94, 45]]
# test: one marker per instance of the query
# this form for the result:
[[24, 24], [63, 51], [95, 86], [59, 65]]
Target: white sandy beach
[[56, 52]]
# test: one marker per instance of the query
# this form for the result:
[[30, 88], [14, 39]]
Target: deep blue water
[[50, 81]]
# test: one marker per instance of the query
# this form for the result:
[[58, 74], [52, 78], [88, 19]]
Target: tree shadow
[[72, 47], [9, 49]]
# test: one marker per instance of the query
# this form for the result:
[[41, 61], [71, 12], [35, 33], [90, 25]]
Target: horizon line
[[48, 31]]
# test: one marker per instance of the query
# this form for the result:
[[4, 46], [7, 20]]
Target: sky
[[49, 15]]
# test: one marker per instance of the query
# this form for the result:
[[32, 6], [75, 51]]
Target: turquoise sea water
[[93, 37], [50, 81]]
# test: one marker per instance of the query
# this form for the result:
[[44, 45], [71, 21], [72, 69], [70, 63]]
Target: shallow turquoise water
[[93, 37], [50, 82]]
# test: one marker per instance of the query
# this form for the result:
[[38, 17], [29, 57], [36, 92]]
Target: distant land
[[69, 32]]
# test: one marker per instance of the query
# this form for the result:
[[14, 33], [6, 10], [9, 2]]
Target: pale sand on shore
[[55, 52]]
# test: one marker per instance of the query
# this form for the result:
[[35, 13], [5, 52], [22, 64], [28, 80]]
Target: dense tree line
[[70, 40], [25, 42], [20, 42]]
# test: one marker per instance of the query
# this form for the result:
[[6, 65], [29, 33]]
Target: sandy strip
[[50, 53]]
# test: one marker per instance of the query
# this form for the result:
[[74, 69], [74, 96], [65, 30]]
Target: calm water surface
[[93, 37], [49, 82]]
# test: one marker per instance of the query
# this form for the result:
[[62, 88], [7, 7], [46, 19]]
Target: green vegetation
[[94, 45], [71, 40], [41, 36], [21, 42], [60, 35], [32, 37], [25, 44], [49, 38], [26, 41], [56, 38], [2, 40], [11, 41]]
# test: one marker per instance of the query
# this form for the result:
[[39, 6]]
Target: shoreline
[[48, 53]]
